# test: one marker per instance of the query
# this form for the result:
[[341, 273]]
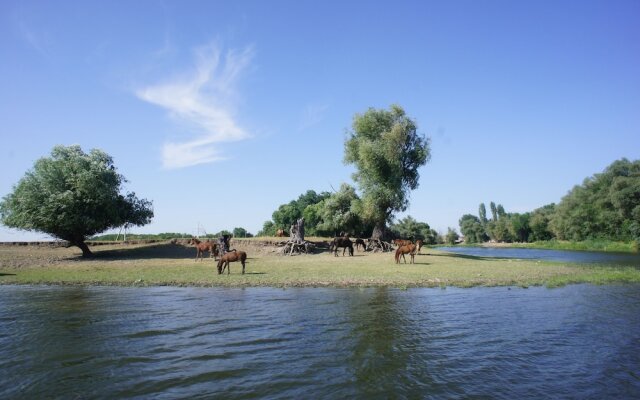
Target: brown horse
[[201, 247], [343, 242], [419, 244], [232, 256], [360, 242], [406, 249], [401, 242], [281, 233]]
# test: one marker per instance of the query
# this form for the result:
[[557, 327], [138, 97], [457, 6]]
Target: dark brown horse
[[232, 256], [201, 247], [406, 249], [343, 242], [360, 242]]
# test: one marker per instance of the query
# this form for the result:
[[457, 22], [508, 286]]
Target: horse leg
[[243, 267], [228, 267]]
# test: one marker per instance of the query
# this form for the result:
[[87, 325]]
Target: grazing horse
[[201, 247], [281, 233], [360, 242], [419, 244], [401, 242], [406, 249], [343, 242], [232, 256]]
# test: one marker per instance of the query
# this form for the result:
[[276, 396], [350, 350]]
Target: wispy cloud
[[204, 99], [312, 115]]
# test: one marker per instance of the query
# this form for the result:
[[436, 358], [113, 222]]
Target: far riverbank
[[588, 245]]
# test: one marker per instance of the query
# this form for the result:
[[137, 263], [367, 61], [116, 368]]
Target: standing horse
[[406, 249], [201, 247], [401, 242], [419, 244], [360, 242], [232, 256], [343, 242]]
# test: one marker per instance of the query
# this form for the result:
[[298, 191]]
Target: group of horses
[[213, 249], [404, 247], [344, 242]]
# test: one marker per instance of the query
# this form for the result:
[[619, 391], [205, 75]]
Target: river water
[[582, 257], [579, 341]]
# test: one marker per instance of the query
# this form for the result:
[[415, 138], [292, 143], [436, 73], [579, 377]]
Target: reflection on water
[[98, 342]]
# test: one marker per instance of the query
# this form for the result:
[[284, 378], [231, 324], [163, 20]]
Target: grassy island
[[173, 264]]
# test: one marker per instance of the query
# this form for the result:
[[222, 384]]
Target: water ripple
[[575, 342]]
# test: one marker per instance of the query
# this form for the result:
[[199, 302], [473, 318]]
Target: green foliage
[[241, 233], [605, 206], [72, 195], [410, 228], [341, 213], [287, 214], [268, 229], [387, 151], [452, 236], [482, 213], [519, 228], [472, 230], [539, 223], [141, 236]]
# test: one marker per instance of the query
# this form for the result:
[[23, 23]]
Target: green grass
[[166, 264]]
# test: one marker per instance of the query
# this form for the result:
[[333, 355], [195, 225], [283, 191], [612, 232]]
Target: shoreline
[[169, 264]]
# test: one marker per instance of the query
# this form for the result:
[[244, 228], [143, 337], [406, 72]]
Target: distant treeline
[[237, 232], [605, 206]]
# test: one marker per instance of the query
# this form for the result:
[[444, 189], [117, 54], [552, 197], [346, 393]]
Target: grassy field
[[174, 264]]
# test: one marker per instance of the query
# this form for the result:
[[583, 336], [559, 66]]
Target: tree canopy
[[605, 206], [387, 151], [72, 195]]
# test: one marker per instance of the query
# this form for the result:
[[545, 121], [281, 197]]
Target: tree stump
[[376, 245]]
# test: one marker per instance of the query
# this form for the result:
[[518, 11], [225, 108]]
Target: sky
[[221, 111]]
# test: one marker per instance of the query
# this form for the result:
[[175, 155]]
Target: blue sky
[[221, 111]]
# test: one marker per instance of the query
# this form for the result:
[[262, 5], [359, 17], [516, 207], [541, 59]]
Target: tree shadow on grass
[[161, 251], [6, 274]]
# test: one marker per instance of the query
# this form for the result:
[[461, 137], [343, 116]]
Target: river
[[582, 257], [579, 341]]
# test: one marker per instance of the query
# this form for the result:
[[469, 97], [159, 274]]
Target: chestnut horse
[[406, 249], [201, 247], [281, 233], [232, 256]]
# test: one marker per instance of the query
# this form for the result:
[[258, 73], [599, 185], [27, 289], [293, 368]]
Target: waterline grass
[[586, 245], [174, 265]]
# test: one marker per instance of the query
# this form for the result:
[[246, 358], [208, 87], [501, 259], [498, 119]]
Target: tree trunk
[[379, 232], [85, 249], [297, 231]]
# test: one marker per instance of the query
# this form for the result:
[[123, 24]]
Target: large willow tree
[[387, 151], [72, 195]]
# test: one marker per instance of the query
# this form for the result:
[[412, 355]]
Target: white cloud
[[204, 99], [312, 115]]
